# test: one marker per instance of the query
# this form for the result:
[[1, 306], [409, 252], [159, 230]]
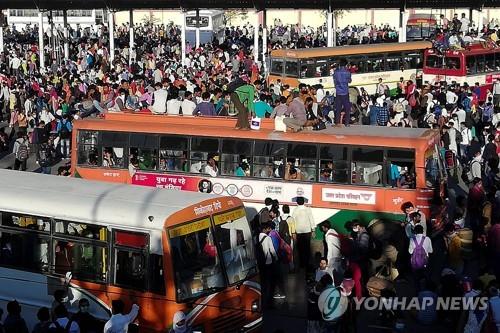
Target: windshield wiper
[[250, 272]]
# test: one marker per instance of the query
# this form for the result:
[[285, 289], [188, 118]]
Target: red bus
[[479, 63]]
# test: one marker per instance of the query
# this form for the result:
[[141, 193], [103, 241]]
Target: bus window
[[173, 153], [130, 259], [375, 63], [471, 65], [412, 60], [292, 68], [277, 66], [235, 240], [88, 231], [25, 222], [490, 62], [367, 166], [358, 64], [452, 62], [302, 158], [84, 260], [196, 264], [434, 61], [234, 155], [144, 147], [269, 159], [27, 250], [88, 152], [307, 68], [401, 168], [113, 145], [322, 68], [481, 64], [201, 148], [392, 62], [334, 158]]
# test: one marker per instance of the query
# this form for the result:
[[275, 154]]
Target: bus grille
[[230, 322]]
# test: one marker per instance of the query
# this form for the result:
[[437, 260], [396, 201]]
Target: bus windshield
[[197, 267], [201, 254], [235, 240]]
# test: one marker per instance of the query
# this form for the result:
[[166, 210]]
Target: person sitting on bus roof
[[160, 95], [262, 108], [205, 108], [280, 109], [297, 111]]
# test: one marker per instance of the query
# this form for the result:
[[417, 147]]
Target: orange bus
[[166, 251], [389, 61], [361, 172]]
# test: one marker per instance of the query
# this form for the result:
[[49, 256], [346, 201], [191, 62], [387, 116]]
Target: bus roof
[[89, 201], [224, 127], [319, 52], [472, 49]]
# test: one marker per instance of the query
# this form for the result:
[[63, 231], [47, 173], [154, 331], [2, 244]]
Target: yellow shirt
[[291, 224]]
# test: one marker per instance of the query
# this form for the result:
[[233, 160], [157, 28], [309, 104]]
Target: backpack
[[467, 172], [59, 329], [419, 257], [466, 104], [398, 107], [64, 133], [438, 110], [45, 156], [259, 253], [284, 251], [284, 231], [487, 113], [22, 152]]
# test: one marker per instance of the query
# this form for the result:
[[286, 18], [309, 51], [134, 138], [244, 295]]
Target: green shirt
[[246, 94]]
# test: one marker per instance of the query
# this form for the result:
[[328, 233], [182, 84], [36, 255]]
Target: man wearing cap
[[342, 78]]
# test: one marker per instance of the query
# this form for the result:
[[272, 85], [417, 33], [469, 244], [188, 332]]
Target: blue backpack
[[466, 104], [438, 110], [419, 257]]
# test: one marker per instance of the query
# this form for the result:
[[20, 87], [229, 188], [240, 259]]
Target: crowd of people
[[40, 105]]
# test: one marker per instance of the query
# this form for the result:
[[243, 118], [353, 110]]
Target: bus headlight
[[255, 306]]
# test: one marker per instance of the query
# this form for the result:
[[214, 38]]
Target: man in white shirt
[[174, 106], [475, 165], [187, 105], [332, 251], [304, 226], [466, 140], [415, 220], [118, 323], [451, 99], [211, 167], [268, 263], [461, 114], [160, 100], [465, 24], [496, 93]]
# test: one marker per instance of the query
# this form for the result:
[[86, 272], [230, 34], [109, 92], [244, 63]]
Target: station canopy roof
[[240, 4]]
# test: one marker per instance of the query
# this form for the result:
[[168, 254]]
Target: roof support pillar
[[264, 39], [183, 39], [66, 34], [111, 29], [197, 44], [256, 40], [131, 35], [1, 38], [480, 20], [403, 20], [330, 33], [41, 47]]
